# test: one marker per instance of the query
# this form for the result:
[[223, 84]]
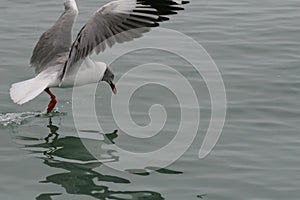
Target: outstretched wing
[[117, 22], [55, 41]]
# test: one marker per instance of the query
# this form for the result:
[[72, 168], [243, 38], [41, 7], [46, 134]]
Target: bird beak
[[113, 87]]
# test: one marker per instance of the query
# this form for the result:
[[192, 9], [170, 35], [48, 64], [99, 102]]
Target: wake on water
[[18, 118]]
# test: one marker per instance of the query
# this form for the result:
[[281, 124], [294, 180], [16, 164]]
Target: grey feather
[[55, 42], [117, 22]]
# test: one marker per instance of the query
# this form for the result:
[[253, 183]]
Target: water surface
[[255, 44]]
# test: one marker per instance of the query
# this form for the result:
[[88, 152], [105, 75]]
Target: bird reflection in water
[[80, 178], [53, 131]]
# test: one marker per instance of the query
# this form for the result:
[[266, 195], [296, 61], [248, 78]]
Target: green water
[[256, 46]]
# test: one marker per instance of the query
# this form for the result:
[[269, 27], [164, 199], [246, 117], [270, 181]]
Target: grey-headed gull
[[57, 61]]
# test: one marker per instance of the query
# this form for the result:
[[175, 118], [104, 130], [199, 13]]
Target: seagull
[[58, 62]]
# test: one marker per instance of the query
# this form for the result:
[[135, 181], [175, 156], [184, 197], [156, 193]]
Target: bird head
[[109, 77]]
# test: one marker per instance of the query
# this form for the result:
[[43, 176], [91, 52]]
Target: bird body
[[60, 63]]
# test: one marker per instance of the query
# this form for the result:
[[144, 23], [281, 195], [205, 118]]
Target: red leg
[[52, 103]]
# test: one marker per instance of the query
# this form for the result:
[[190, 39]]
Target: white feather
[[25, 91]]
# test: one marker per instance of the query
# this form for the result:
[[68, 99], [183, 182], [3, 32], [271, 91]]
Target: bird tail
[[25, 91]]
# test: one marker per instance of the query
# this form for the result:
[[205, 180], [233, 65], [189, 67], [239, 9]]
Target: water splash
[[16, 118], [7, 119]]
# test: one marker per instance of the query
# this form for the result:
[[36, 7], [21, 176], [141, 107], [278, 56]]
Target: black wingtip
[[185, 2]]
